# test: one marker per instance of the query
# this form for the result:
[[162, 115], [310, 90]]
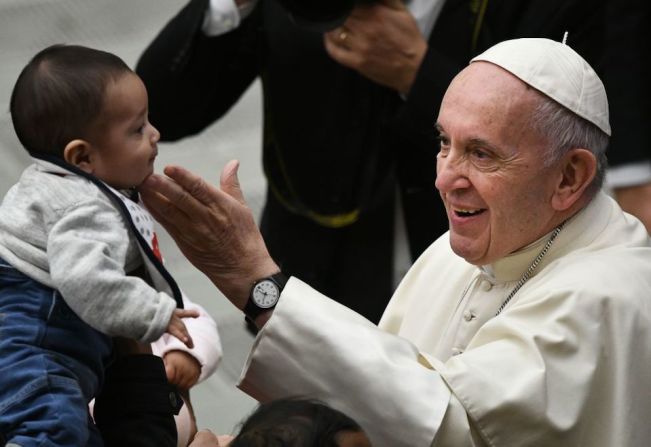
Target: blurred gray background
[[125, 27]]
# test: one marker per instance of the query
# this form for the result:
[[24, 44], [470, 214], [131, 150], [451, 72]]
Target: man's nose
[[450, 174]]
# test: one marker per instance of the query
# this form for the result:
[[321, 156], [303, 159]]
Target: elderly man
[[527, 324]]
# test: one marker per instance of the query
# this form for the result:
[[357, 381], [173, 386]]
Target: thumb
[[394, 4], [229, 182]]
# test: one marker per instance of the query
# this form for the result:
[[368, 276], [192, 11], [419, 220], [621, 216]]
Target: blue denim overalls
[[51, 365]]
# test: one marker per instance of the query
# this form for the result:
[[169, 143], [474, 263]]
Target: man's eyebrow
[[476, 141], [483, 143], [499, 151]]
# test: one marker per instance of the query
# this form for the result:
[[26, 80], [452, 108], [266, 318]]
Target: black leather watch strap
[[251, 309]]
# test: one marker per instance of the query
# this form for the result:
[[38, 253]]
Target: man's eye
[[480, 154], [444, 147]]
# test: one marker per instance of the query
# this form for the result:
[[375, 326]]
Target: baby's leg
[[47, 409], [41, 400]]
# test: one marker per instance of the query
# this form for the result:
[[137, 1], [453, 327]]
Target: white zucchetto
[[557, 71]]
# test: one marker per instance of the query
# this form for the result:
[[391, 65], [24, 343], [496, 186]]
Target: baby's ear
[[79, 153]]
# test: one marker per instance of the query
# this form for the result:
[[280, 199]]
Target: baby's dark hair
[[294, 423], [60, 94]]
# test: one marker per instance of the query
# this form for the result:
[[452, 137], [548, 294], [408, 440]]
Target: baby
[[79, 260]]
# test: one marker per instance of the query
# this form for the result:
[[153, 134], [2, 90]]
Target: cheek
[[522, 210], [504, 200]]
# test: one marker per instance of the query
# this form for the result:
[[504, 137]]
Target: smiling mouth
[[461, 212]]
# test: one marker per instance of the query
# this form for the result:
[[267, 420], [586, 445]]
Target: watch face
[[265, 293]]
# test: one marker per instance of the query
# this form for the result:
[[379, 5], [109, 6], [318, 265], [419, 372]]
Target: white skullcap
[[556, 70]]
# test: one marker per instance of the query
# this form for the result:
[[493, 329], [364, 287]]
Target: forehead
[[124, 97], [488, 102]]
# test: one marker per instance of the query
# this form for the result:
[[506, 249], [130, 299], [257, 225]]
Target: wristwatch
[[264, 295]]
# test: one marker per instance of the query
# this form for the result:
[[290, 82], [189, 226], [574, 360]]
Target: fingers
[[182, 369], [161, 208], [229, 182], [186, 313], [224, 440], [181, 196], [191, 184], [177, 328], [340, 51], [176, 377]]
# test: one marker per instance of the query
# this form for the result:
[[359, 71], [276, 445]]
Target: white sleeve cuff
[[224, 16], [313, 346]]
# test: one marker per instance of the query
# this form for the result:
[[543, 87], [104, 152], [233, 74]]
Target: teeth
[[467, 212]]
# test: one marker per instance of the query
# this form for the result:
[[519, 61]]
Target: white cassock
[[567, 363]]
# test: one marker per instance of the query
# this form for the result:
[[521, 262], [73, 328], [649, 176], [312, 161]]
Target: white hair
[[564, 131]]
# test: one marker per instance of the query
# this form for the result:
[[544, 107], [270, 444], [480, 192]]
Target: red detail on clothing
[[155, 248]]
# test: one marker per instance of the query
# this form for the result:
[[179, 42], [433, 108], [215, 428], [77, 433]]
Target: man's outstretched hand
[[213, 227]]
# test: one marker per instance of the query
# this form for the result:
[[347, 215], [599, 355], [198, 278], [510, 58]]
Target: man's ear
[[79, 153], [578, 169]]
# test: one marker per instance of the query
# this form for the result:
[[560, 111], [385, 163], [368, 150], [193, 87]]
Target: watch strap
[[251, 309]]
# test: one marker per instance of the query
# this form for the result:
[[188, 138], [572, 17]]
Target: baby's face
[[125, 141]]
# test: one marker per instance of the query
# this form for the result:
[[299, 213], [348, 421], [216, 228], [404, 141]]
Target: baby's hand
[[177, 328], [182, 369]]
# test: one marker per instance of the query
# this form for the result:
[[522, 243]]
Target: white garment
[[565, 364]]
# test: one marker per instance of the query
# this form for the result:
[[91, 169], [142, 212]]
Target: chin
[[145, 177], [469, 254]]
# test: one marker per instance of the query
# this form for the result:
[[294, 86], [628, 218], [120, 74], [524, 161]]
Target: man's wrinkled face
[[490, 172]]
